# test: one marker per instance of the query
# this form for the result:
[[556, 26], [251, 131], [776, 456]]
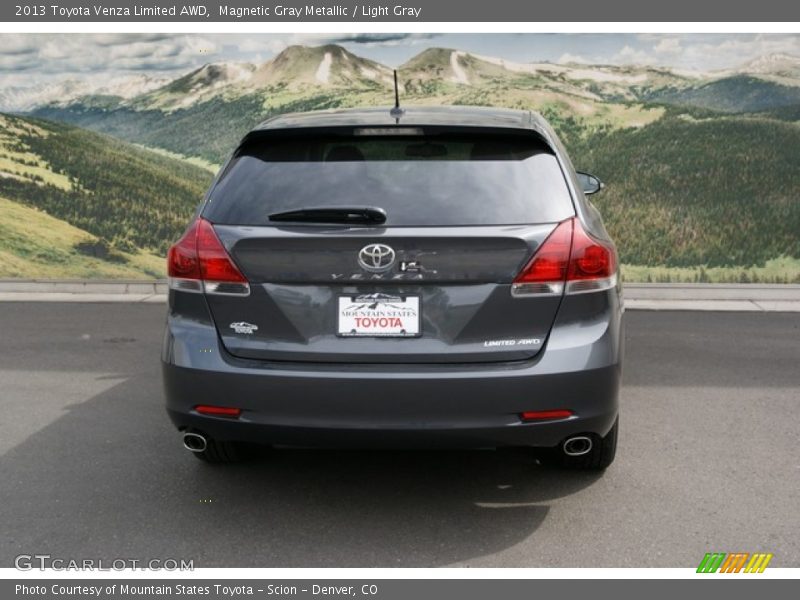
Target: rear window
[[418, 181]]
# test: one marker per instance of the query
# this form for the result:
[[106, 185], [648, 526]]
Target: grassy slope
[[130, 197], [776, 270], [19, 163], [74, 203], [35, 245], [192, 160]]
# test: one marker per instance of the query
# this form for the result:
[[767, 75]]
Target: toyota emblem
[[376, 258]]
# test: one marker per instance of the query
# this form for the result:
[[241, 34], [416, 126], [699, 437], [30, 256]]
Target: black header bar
[[295, 11]]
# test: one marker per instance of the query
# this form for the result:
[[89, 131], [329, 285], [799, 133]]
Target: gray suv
[[431, 277]]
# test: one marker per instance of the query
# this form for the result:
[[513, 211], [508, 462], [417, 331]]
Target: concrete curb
[[81, 297], [83, 286], [713, 297], [638, 296], [712, 291], [715, 305]]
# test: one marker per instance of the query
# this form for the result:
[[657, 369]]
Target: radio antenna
[[396, 112]]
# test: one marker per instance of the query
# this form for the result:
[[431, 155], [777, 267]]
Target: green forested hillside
[[209, 130], [714, 192], [733, 94], [128, 197]]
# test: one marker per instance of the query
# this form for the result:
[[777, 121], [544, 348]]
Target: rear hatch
[[427, 282]]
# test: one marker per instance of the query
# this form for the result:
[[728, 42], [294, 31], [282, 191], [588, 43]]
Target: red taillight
[[551, 261], [182, 258], [591, 258], [218, 411], [215, 264], [545, 415], [568, 257], [199, 257]]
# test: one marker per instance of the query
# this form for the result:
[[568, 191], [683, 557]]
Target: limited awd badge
[[243, 327]]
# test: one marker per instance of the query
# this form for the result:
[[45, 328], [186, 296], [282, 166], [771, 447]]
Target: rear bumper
[[392, 409], [301, 404]]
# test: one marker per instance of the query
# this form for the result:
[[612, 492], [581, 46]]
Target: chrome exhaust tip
[[194, 442], [577, 446]]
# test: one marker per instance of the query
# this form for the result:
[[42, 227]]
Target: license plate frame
[[407, 308]]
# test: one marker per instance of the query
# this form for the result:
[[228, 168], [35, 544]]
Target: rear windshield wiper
[[333, 214]]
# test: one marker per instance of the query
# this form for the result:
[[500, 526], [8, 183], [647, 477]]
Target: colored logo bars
[[714, 562]]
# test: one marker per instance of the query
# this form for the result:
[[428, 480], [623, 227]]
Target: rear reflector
[[545, 415], [199, 262], [218, 411], [570, 260]]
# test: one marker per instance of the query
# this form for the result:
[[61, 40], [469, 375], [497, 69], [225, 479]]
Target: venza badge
[[376, 258]]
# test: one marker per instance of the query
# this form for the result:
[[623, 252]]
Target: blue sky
[[28, 59]]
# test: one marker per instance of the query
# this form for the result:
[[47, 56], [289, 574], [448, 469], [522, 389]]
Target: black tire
[[599, 458], [218, 452]]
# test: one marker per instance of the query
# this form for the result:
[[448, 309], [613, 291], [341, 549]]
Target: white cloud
[[631, 56], [710, 52], [668, 45], [16, 44], [710, 55], [572, 58], [47, 55]]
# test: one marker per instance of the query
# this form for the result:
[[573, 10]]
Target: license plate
[[378, 315]]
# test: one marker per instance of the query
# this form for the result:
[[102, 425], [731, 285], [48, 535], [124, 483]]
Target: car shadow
[[109, 479]]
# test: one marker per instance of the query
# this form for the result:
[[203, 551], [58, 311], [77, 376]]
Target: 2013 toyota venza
[[429, 277]]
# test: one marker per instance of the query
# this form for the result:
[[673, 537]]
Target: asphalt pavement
[[90, 467]]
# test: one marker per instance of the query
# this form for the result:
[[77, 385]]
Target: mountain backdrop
[[702, 169]]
